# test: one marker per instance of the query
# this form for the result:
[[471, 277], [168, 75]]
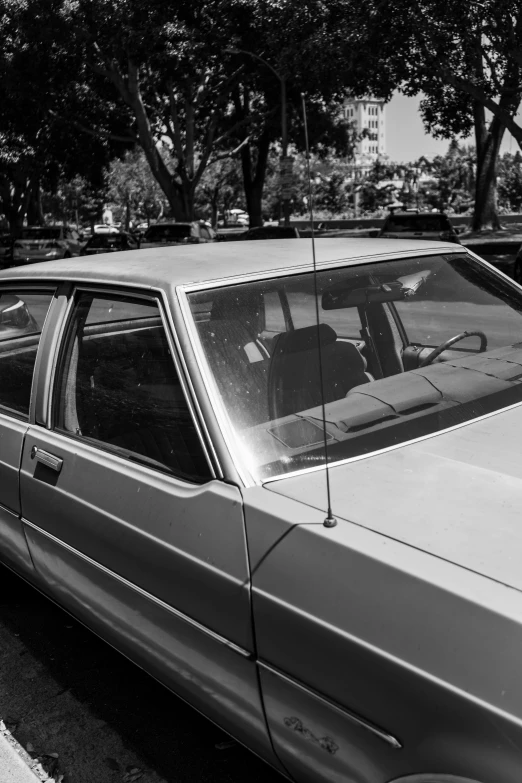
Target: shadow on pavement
[[89, 714]]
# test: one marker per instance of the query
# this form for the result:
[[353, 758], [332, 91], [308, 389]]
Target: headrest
[[306, 339]]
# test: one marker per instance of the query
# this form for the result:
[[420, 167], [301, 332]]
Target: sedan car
[[40, 243], [191, 233], [110, 243], [419, 225], [264, 232], [290, 492]]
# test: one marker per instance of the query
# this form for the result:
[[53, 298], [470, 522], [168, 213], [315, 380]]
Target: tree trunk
[[35, 216], [488, 141], [214, 201], [186, 199], [254, 181]]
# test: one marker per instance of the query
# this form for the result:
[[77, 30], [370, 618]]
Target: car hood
[[456, 495]]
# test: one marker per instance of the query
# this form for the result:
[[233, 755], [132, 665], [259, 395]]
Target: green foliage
[[510, 182], [132, 189]]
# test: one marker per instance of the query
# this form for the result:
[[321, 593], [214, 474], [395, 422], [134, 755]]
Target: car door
[[126, 523], [22, 315]]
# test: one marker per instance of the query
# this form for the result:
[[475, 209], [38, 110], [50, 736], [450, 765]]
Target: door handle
[[50, 460]]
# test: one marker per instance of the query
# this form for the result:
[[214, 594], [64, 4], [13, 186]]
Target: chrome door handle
[[55, 463]]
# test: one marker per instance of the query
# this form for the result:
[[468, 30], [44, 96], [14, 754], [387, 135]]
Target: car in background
[[46, 243], [265, 232], [110, 243], [192, 232], [105, 228], [6, 250], [412, 224]]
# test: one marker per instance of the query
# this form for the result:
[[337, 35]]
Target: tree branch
[[98, 134]]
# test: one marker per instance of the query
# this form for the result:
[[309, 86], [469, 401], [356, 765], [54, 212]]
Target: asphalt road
[[90, 715]]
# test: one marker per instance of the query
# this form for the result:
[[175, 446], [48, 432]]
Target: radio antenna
[[330, 520]]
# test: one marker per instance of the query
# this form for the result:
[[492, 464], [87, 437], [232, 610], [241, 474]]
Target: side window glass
[[118, 386], [22, 315]]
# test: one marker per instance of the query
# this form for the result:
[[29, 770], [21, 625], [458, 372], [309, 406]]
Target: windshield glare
[[383, 382]]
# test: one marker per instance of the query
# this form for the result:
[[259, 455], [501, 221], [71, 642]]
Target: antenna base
[[330, 521]]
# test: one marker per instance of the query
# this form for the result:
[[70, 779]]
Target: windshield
[[409, 347], [419, 223], [163, 233], [40, 233]]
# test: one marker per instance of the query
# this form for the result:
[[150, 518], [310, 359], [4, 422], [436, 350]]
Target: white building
[[367, 114]]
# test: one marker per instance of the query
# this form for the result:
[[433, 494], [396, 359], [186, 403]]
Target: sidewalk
[[13, 768]]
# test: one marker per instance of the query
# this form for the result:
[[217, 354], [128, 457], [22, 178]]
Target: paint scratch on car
[[326, 743]]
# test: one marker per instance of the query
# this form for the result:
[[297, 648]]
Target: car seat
[[294, 382]]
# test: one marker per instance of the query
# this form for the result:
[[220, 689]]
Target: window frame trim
[[37, 288], [157, 296]]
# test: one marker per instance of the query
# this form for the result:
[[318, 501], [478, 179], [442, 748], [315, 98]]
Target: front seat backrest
[[294, 382]]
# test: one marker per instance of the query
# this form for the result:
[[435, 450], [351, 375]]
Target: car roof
[[167, 267]]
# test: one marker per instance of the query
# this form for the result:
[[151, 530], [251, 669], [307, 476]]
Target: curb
[[13, 768]]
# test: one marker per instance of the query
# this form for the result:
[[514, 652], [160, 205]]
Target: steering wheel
[[448, 343]]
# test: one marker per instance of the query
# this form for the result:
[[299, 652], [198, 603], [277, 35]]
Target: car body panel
[[12, 539], [347, 601], [423, 484], [150, 528], [212, 676], [215, 262]]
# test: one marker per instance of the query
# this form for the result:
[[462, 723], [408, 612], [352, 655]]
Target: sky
[[406, 139]]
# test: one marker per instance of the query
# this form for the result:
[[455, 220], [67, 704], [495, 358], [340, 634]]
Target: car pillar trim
[[354, 717], [180, 615], [190, 392]]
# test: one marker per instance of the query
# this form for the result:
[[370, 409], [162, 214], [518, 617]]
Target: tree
[[167, 66], [38, 150], [133, 189], [465, 56], [283, 48], [220, 187], [510, 182]]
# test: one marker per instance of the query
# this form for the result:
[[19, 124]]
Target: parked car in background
[[179, 233], [267, 232], [105, 228], [110, 243], [46, 243], [6, 250], [419, 225], [164, 441]]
